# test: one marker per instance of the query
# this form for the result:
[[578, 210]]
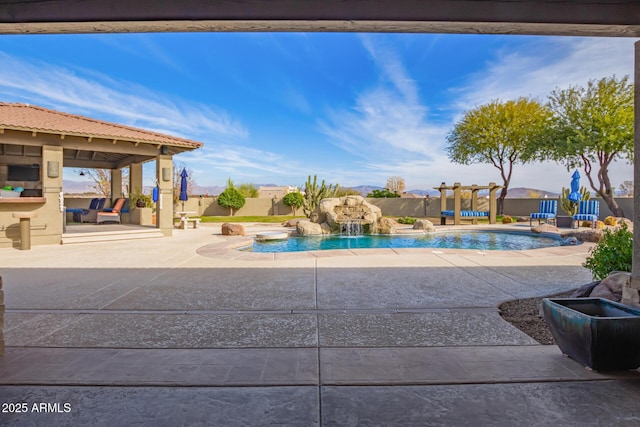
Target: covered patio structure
[[37, 143]]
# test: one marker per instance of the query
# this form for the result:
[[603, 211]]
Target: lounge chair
[[111, 214], [588, 210], [88, 215], [547, 211], [77, 212]]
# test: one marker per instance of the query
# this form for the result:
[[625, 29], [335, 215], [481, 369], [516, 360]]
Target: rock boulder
[[387, 226], [423, 224], [545, 228], [611, 286], [229, 229], [308, 228]]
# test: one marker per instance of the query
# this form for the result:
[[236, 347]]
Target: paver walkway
[[182, 331]]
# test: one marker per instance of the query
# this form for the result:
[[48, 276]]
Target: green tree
[[593, 127], [294, 200], [380, 194], [249, 190], [501, 134], [231, 198]]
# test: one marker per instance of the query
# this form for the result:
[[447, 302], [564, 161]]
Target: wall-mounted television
[[23, 173]]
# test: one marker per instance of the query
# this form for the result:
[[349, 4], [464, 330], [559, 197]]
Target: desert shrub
[[506, 219], [586, 224], [612, 253], [406, 220], [611, 220], [600, 224], [381, 194]]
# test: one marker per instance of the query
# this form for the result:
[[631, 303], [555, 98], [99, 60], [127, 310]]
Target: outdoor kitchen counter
[[20, 200]]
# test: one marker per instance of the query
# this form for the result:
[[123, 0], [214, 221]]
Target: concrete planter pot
[[563, 221], [601, 334]]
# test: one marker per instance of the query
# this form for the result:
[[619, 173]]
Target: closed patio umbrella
[[575, 195], [183, 187]]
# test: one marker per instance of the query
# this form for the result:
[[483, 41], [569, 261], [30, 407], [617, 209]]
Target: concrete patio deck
[[183, 331]]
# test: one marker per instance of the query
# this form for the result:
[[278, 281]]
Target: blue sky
[[273, 108]]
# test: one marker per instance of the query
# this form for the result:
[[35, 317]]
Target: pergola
[[606, 18]]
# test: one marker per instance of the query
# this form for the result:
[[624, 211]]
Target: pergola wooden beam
[[457, 189]]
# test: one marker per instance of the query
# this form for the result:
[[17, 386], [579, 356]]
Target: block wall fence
[[419, 208]]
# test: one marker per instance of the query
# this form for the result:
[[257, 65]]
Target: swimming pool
[[481, 240]]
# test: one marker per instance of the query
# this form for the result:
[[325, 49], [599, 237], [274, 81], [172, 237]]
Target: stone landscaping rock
[[611, 286], [584, 291], [423, 224], [293, 222], [545, 228], [308, 228], [229, 229], [387, 226]]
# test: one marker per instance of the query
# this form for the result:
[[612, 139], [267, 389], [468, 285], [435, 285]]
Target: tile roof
[[25, 117]]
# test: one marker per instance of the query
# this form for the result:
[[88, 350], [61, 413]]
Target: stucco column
[[135, 178], [51, 172], [164, 207], [631, 293], [116, 184]]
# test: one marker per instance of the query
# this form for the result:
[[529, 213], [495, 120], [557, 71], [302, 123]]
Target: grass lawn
[[276, 219]]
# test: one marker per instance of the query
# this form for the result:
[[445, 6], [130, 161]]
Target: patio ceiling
[[617, 18]]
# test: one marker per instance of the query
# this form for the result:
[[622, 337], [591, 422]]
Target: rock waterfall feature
[[347, 215]]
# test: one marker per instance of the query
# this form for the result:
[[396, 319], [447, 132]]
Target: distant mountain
[[520, 192], [366, 189], [430, 193], [77, 187], [211, 190]]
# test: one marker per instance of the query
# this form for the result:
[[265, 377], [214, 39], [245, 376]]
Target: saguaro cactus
[[313, 193]]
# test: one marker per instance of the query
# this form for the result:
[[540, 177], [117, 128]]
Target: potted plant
[[601, 334], [140, 199], [569, 207]]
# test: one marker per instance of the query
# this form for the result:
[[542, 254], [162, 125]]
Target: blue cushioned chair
[[89, 215], [547, 211], [588, 210]]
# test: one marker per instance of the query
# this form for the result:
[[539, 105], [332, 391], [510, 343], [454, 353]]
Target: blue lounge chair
[[588, 210], [547, 211]]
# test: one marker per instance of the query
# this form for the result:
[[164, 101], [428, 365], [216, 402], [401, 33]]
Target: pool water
[[481, 240]]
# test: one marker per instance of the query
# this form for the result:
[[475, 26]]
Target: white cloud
[[387, 120], [99, 96], [548, 64]]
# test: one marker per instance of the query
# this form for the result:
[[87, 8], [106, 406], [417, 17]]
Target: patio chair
[[111, 214], [88, 215], [547, 211], [588, 210]]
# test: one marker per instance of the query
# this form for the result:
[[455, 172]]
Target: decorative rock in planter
[[601, 334]]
